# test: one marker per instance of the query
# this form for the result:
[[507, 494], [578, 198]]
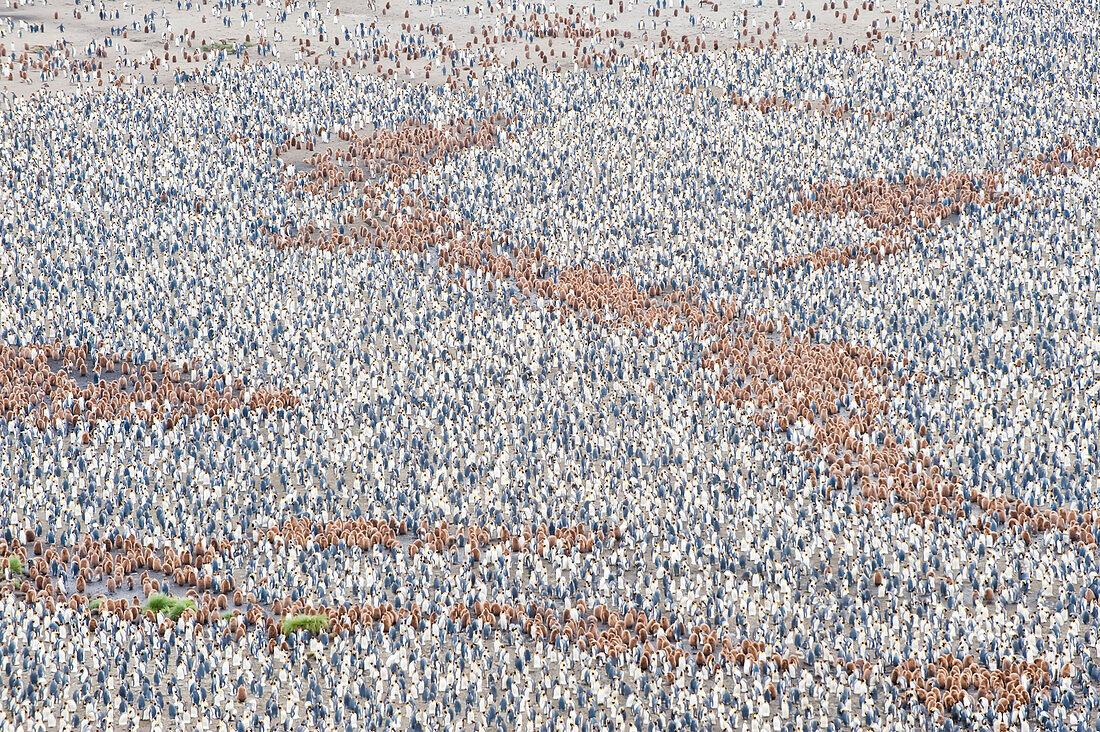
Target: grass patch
[[15, 564], [313, 623], [173, 607], [94, 603], [221, 46], [227, 615]]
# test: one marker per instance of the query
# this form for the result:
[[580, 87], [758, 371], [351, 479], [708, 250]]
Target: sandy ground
[[117, 41]]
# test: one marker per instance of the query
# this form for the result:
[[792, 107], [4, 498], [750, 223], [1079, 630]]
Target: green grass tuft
[[173, 607], [158, 603], [15, 564], [221, 46], [313, 623], [94, 603]]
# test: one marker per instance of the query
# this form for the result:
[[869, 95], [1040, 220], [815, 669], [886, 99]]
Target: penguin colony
[[522, 366]]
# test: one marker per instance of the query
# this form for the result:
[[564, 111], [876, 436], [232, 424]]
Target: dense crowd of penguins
[[737, 389]]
